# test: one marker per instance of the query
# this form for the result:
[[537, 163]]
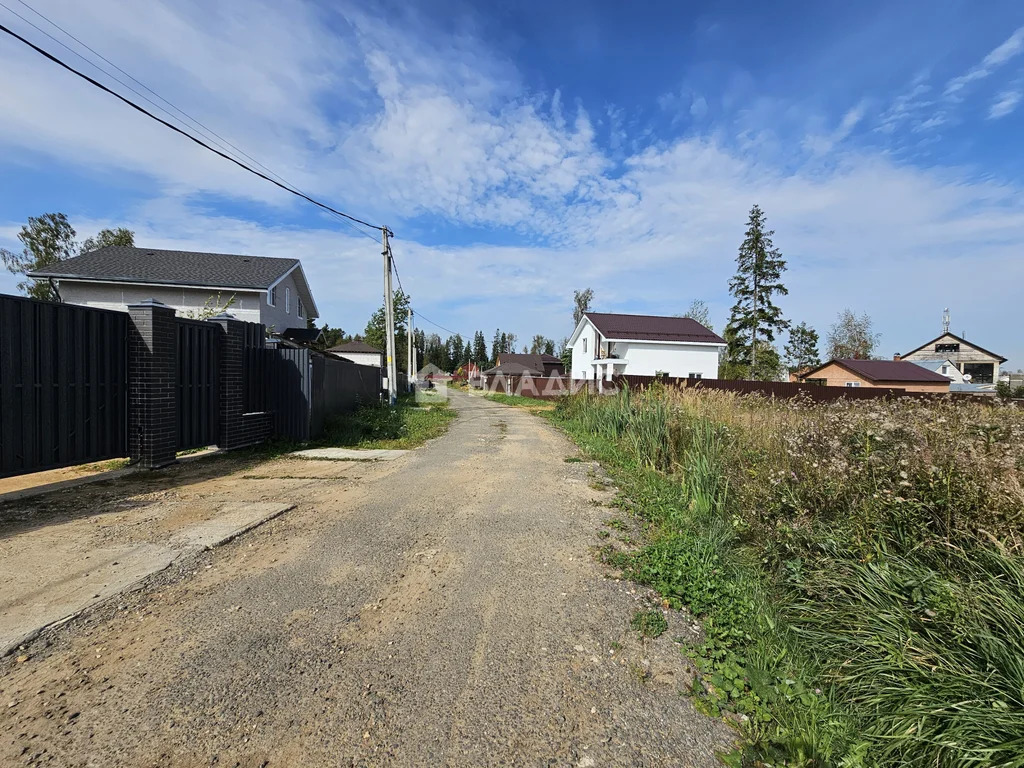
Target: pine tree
[[479, 349], [802, 349], [467, 354], [497, 347], [549, 347], [759, 268]]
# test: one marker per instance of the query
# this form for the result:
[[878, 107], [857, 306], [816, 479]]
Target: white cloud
[[998, 56], [1004, 104], [820, 145], [438, 131]]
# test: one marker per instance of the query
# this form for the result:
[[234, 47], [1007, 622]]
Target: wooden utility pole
[[389, 314]]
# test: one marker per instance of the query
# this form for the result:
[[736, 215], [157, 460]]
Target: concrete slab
[[48, 577], [348, 454], [50, 595], [234, 519]]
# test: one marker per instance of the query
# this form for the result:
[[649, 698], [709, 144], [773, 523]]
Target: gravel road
[[443, 609]]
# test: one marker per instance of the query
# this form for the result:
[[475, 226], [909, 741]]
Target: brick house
[[890, 374]]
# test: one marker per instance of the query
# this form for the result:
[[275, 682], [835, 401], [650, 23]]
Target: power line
[[211, 134], [202, 127], [186, 134]]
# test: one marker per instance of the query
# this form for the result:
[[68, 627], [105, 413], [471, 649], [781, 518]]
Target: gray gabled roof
[[120, 263]]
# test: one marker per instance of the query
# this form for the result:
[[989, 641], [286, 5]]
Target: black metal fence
[[198, 401], [289, 388], [63, 385], [307, 387], [255, 369], [79, 384], [339, 386]]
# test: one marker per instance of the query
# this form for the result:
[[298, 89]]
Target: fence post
[[152, 380], [236, 427]]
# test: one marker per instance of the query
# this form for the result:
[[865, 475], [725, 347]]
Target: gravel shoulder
[[440, 609]]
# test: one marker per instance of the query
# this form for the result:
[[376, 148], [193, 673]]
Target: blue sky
[[524, 150]]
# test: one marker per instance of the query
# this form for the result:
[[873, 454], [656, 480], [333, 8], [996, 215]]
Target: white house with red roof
[[604, 344]]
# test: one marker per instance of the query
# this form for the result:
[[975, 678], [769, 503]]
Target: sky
[[521, 151]]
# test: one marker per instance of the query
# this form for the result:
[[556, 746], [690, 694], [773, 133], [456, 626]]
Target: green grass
[[649, 623], [523, 402], [848, 624], [405, 426]]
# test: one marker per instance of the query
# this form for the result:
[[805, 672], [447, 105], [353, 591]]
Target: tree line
[[446, 353]]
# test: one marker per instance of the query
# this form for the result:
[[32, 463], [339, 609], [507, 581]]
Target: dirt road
[[443, 609]]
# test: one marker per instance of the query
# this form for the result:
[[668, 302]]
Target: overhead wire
[[222, 143], [92, 81]]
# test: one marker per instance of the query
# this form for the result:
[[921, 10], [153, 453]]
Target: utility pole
[[389, 314], [411, 354]]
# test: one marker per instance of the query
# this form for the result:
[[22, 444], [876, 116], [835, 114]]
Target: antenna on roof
[[945, 320]]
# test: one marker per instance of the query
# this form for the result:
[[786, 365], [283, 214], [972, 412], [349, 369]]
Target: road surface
[[442, 609]]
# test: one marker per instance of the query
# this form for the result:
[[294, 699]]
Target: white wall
[[589, 338], [111, 296], [363, 358], [647, 359]]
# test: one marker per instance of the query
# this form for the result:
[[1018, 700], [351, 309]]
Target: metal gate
[[198, 404], [63, 385]]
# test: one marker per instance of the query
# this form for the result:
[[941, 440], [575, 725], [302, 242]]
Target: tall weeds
[[858, 566]]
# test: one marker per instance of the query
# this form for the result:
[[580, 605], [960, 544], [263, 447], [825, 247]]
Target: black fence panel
[[254, 369], [289, 379], [340, 386], [63, 385], [198, 402]]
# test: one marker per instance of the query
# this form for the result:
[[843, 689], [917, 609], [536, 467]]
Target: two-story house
[[604, 344], [257, 289]]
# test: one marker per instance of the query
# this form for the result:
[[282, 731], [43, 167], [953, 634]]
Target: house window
[[272, 296], [584, 346], [947, 347], [945, 370], [980, 373], [299, 308], [853, 383], [694, 376], [287, 300]]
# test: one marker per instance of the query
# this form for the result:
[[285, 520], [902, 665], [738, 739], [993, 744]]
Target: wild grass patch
[[857, 566]]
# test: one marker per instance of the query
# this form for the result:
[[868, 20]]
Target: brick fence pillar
[[238, 428], [152, 379]]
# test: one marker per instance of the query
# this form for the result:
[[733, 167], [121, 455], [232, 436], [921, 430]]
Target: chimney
[[896, 357]]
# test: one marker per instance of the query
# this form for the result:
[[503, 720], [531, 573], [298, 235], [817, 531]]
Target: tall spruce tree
[[755, 317], [479, 349], [497, 346]]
